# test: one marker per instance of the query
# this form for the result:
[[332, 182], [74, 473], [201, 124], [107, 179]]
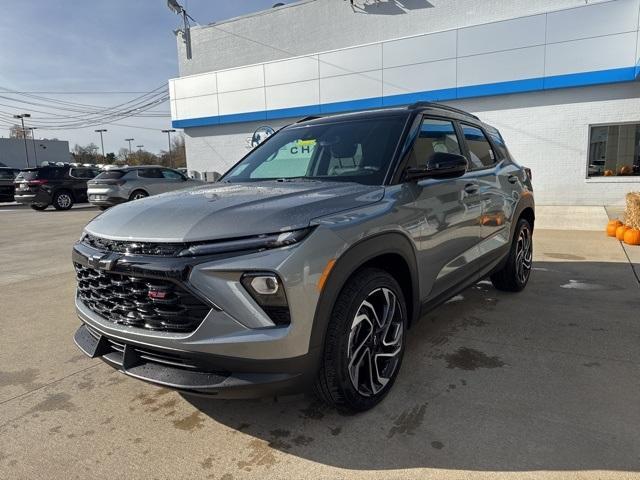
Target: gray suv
[[308, 263], [118, 185]]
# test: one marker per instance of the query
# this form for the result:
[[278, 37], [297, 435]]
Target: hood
[[230, 210]]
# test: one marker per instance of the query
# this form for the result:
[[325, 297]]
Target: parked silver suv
[[309, 262], [118, 185]]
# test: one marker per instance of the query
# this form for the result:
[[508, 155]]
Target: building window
[[614, 150]]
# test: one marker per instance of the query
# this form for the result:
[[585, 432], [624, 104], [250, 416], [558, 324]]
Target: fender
[[525, 201], [350, 261]]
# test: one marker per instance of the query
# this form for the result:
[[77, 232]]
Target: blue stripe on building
[[616, 75]]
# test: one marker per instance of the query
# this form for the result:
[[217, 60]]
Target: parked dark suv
[[60, 186], [309, 261], [7, 187]]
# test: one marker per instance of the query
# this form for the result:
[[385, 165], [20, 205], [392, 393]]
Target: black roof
[[389, 112]]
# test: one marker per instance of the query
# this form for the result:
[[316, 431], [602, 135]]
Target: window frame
[[413, 130], [497, 157], [602, 178]]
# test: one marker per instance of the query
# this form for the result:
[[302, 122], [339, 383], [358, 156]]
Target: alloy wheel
[[524, 255], [375, 342], [64, 200]]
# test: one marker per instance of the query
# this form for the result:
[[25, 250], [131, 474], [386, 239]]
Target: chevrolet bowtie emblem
[[104, 262]]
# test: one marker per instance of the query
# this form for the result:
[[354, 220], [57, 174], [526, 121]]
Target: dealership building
[[558, 78]]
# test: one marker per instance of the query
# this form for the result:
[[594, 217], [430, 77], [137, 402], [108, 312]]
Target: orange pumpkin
[[626, 170], [632, 237], [612, 226], [620, 232], [608, 173]]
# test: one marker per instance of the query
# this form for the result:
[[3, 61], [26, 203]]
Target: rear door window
[[150, 173], [480, 151]]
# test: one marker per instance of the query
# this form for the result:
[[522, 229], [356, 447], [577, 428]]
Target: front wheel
[[38, 206], [364, 342], [514, 276]]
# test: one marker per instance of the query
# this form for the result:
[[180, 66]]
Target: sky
[[52, 48]]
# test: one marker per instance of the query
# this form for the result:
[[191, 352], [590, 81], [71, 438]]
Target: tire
[[38, 207], [62, 200], [514, 275], [138, 194], [103, 208], [343, 379]]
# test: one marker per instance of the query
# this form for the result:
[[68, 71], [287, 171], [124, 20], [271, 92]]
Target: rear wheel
[[38, 206], [103, 207], [62, 200], [364, 342], [138, 194], [515, 274]]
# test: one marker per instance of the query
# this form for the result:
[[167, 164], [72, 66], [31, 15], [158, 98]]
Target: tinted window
[[171, 174], [434, 136], [6, 174], [614, 150], [83, 172], [111, 174], [150, 173], [480, 150], [350, 151]]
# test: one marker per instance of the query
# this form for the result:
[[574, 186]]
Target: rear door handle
[[471, 188], [513, 179]]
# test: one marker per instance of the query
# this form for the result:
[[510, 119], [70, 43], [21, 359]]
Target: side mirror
[[440, 165]]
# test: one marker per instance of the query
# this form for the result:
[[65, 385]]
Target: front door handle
[[471, 188]]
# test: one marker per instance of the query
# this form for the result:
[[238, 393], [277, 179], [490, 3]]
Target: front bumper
[[198, 374], [236, 341]]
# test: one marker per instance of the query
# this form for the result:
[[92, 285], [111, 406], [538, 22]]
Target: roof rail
[[307, 118], [417, 105]]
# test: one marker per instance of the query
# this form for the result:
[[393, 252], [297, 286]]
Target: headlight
[[260, 242]]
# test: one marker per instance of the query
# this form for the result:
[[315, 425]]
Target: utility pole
[[169, 132], [139, 147], [33, 140], [129, 140], [22, 116], [101, 131]]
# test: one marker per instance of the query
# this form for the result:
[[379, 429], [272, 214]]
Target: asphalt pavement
[[541, 384]]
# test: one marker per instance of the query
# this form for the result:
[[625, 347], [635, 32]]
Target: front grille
[[134, 248], [139, 302]]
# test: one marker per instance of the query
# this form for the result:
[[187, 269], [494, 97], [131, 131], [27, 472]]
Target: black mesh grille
[[133, 248], [139, 302]]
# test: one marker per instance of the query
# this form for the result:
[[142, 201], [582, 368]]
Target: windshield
[[350, 151]]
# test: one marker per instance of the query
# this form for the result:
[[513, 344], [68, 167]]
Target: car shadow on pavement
[[546, 379]]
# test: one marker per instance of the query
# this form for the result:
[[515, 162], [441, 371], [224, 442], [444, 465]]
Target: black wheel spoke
[[375, 342]]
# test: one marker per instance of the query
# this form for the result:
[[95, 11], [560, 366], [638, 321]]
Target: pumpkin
[[608, 173], [632, 237], [612, 226], [620, 232], [626, 170]]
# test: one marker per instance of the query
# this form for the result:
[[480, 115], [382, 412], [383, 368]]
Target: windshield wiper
[[296, 179]]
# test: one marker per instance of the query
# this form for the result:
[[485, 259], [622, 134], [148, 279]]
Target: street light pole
[[22, 116], [33, 140], [169, 132], [101, 131], [129, 140]]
